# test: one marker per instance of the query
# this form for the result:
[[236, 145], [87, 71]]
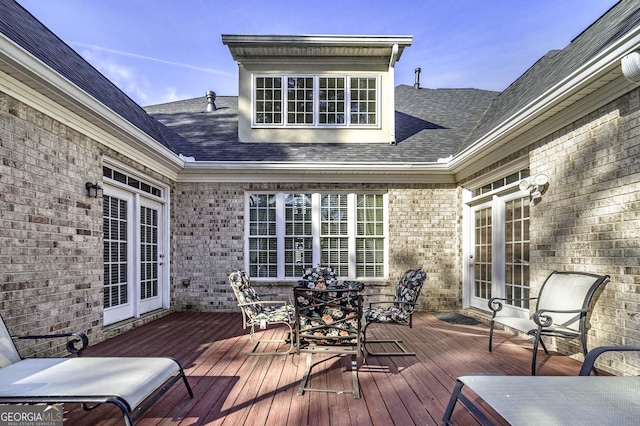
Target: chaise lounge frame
[[133, 384], [537, 400]]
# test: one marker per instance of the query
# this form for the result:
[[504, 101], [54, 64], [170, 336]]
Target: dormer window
[[316, 101]]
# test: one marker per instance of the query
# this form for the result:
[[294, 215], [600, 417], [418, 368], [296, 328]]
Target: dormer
[[316, 88]]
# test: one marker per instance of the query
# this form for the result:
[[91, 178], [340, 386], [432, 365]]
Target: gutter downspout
[[392, 94]]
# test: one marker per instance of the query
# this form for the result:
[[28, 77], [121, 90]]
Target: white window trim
[[316, 219], [316, 102]]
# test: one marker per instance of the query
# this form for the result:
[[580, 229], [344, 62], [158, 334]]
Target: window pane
[[299, 100], [115, 252], [370, 236], [334, 237], [263, 253], [517, 259], [268, 100], [482, 253], [298, 240], [331, 100], [363, 100]]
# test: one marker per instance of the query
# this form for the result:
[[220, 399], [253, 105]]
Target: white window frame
[[316, 220], [316, 101]]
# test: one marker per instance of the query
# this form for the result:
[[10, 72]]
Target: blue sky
[[164, 50]]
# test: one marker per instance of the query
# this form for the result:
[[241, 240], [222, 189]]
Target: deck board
[[233, 389]]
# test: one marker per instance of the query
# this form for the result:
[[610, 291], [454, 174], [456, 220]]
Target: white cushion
[[131, 379]]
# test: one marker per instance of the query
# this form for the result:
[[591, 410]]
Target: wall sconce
[[631, 66], [536, 185], [95, 191]]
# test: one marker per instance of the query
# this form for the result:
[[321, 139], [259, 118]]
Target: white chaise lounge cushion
[[130, 379]]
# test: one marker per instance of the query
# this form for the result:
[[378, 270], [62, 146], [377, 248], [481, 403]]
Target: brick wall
[[589, 219], [50, 231], [51, 251], [208, 226]]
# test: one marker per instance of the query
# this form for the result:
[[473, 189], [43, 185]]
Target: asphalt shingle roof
[[558, 64], [26, 31], [430, 124]]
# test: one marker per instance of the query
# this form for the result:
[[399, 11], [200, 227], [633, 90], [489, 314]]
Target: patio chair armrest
[[265, 302], [542, 318], [390, 302], [593, 354], [72, 344], [496, 303]]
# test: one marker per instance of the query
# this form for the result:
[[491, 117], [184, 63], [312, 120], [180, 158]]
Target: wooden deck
[[233, 389]]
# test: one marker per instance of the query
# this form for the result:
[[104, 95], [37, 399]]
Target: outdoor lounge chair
[[561, 310], [553, 400], [261, 313], [132, 384], [328, 321], [398, 311]]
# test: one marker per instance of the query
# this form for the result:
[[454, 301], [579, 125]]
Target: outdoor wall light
[[536, 185], [95, 191], [631, 66]]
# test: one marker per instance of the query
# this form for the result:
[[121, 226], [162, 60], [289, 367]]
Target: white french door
[[498, 252], [151, 256], [134, 281]]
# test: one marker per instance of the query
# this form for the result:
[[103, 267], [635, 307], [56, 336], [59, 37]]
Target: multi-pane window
[[517, 251], [331, 100], [502, 182], [363, 100], [263, 241], [370, 235], [334, 233], [298, 238], [268, 100], [289, 232], [299, 100], [325, 100]]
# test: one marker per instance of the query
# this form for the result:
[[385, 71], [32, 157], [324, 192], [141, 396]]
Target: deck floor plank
[[233, 389]]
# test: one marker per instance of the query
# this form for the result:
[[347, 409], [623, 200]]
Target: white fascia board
[[317, 39], [121, 132], [211, 171], [587, 74], [245, 47]]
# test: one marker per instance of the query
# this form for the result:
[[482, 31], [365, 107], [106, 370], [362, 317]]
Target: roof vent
[[211, 101], [631, 66], [416, 85]]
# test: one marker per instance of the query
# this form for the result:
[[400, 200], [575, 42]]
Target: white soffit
[[255, 47]]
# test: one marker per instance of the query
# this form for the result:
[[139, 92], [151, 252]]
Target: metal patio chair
[[328, 321], [397, 311], [561, 310], [133, 384], [261, 313]]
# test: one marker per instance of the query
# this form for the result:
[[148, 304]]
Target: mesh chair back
[[568, 291], [8, 352]]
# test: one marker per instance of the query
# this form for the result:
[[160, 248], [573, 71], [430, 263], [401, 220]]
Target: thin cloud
[[150, 58]]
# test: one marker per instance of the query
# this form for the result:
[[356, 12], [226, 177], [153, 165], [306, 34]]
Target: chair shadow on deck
[[231, 387]]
